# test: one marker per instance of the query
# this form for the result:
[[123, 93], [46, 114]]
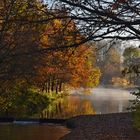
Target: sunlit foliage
[[31, 56]]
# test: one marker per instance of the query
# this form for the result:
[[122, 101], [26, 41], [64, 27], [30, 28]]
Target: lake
[[79, 102], [93, 101], [32, 132]]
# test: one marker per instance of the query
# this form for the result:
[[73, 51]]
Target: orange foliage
[[67, 66]]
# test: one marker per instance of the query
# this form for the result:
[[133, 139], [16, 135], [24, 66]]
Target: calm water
[[31, 132], [95, 101]]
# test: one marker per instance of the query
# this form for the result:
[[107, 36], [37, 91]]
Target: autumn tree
[[109, 62], [36, 55], [130, 54], [32, 51], [131, 64], [68, 66], [99, 19], [19, 42]]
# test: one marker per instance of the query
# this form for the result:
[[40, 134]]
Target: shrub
[[135, 108], [22, 102]]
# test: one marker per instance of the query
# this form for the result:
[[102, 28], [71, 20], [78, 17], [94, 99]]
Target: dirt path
[[102, 127]]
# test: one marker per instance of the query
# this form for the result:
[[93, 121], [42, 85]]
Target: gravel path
[[102, 127]]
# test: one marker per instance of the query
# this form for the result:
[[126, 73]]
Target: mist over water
[[91, 101], [111, 94], [107, 100], [80, 102], [111, 100]]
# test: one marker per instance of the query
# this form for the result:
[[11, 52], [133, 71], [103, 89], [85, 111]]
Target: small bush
[[135, 108], [22, 102]]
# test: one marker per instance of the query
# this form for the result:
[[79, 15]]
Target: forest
[[32, 66], [48, 47]]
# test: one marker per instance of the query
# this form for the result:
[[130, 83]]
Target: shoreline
[[116, 126], [31, 120]]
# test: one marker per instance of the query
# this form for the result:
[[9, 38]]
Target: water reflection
[[31, 132], [99, 101], [68, 107], [111, 100]]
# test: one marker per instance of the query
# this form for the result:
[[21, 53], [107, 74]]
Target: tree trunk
[[60, 86], [52, 84], [56, 87]]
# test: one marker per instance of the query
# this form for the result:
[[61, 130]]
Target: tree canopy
[[33, 61], [103, 19], [30, 49]]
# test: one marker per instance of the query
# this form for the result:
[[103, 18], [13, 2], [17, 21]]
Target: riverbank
[[32, 120], [117, 126]]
